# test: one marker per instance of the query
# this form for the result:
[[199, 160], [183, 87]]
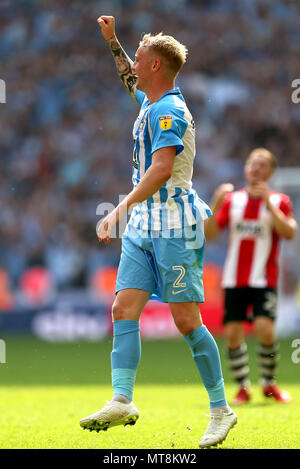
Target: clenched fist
[[107, 25], [221, 191]]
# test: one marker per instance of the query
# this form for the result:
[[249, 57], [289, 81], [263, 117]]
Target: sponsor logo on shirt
[[249, 230]]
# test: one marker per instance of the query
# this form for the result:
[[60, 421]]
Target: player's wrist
[[111, 38], [216, 203], [122, 209], [268, 203]]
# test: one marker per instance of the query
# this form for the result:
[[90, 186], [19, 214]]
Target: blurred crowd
[[65, 130]]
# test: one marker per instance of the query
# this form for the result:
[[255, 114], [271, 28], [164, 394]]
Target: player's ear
[[156, 65]]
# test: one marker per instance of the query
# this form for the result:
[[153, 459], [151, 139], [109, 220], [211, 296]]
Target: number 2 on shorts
[[177, 283]]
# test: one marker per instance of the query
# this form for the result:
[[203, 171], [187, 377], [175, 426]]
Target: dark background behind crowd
[[65, 130]]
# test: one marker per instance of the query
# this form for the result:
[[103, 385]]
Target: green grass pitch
[[46, 388]]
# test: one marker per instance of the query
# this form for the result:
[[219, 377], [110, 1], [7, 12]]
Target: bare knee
[[187, 318], [234, 334], [184, 326], [265, 330], [119, 311], [129, 304]]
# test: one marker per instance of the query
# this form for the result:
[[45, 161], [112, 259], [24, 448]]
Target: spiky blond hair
[[173, 52]]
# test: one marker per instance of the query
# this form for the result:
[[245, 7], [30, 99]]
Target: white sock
[[121, 398], [222, 409]]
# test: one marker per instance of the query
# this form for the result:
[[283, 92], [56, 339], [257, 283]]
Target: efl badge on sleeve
[[165, 122]]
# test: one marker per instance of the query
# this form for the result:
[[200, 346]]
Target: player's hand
[[107, 224], [260, 190], [221, 191], [107, 25], [105, 228]]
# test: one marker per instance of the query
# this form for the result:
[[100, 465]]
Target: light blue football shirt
[[166, 122]]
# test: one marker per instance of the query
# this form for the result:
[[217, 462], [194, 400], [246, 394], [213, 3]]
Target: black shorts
[[246, 303]]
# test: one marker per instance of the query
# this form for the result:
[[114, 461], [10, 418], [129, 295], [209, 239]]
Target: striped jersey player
[[166, 122], [253, 246], [257, 218], [163, 244]]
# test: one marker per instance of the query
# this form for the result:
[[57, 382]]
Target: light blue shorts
[[167, 264]]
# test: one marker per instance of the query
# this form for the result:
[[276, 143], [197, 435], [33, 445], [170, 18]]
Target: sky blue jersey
[[166, 122]]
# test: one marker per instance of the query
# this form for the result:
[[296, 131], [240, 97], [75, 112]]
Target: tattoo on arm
[[124, 66]]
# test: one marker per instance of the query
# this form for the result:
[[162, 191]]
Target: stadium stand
[[65, 127]]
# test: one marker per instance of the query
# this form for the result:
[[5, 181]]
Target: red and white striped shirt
[[252, 255]]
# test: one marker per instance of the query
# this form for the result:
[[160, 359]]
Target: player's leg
[[126, 353], [135, 282], [234, 334], [204, 349], [238, 360], [268, 349], [207, 359], [179, 261], [125, 358], [235, 306]]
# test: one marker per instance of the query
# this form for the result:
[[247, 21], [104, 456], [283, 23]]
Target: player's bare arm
[[156, 176], [210, 225], [122, 61], [284, 226]]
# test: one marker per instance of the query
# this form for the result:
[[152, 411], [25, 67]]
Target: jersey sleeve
[[222, 217], [168, 126], [139, 96], [286, 205]]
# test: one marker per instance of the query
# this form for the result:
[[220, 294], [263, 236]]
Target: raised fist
[[107, 25]]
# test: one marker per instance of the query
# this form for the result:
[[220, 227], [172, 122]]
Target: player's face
[[258, 169], [142, 67]]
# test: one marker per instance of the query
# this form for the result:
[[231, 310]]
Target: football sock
[[125, 357], [220, 410], [120, 398], [268, 360], [239, 365], [206, 355]]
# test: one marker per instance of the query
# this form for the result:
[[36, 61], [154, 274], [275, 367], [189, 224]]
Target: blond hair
[[168, 48], [266, 154]]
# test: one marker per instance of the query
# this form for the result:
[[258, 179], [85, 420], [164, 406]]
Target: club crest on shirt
[[165, 122], [142, 125]]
